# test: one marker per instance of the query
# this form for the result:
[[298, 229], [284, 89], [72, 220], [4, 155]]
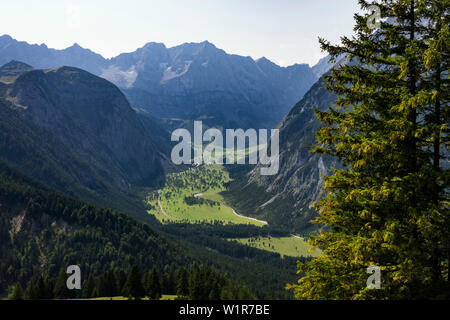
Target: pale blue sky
[[284, 31]]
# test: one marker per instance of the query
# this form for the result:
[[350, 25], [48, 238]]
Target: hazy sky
[[284, 31]]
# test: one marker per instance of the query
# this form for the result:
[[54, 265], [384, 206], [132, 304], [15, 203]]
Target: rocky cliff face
[[300, 171], [286, 198]]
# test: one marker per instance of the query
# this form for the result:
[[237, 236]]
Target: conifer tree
[[133, 287], [388, 204], [214, 293], [88, 290], [196, 285], [61, 291], [121, 278], [95, 292], [30, 292], [436, 33], [107, 284], [168, 283], [41, 292], [182, 286], [154, 285], [17, 293], [49, 287]]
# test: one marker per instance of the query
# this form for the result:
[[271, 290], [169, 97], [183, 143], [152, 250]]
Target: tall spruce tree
[[16, 293], [60, 290], [88, 288], [182, 285], [437, 117], [30, 292], [154, 285], [121, 278], [388, 204], [107, 286], [41, 290], [133, 287], [49, 287]]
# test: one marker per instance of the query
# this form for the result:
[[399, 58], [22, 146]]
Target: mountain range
[[192, 81]]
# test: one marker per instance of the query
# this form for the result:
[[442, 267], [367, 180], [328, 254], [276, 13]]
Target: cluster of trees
[[43, 288], [225, 231], [389, 204], [201, 178], [191, 201], [266, 273], [196, 283]]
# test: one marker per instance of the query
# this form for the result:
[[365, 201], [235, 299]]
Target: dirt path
[[254, 219], [162, 210], [235, 213]]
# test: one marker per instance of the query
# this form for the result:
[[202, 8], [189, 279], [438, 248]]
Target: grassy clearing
[[193, 196], [286, 246]]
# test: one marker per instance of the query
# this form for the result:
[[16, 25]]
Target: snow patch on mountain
[[123, 79], [170, 74]]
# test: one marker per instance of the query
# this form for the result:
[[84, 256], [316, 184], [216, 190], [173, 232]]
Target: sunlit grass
[[285, 246], [203, 182]]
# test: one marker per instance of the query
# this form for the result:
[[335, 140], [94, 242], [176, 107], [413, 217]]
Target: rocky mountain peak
[[13, 69]]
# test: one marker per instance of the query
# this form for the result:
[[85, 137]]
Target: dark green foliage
[[265, 273], [134, 288], [205, 284], [121, 279], [41, 289], [73, 233], [168, 282], [30, 292], [107, 286], [88, 288], [61, 291], [191, 201], [17, 293], [182, 283], [389, 204], [153, 285]]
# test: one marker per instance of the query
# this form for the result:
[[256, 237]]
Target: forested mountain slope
[[42, 231], [75, 132]]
